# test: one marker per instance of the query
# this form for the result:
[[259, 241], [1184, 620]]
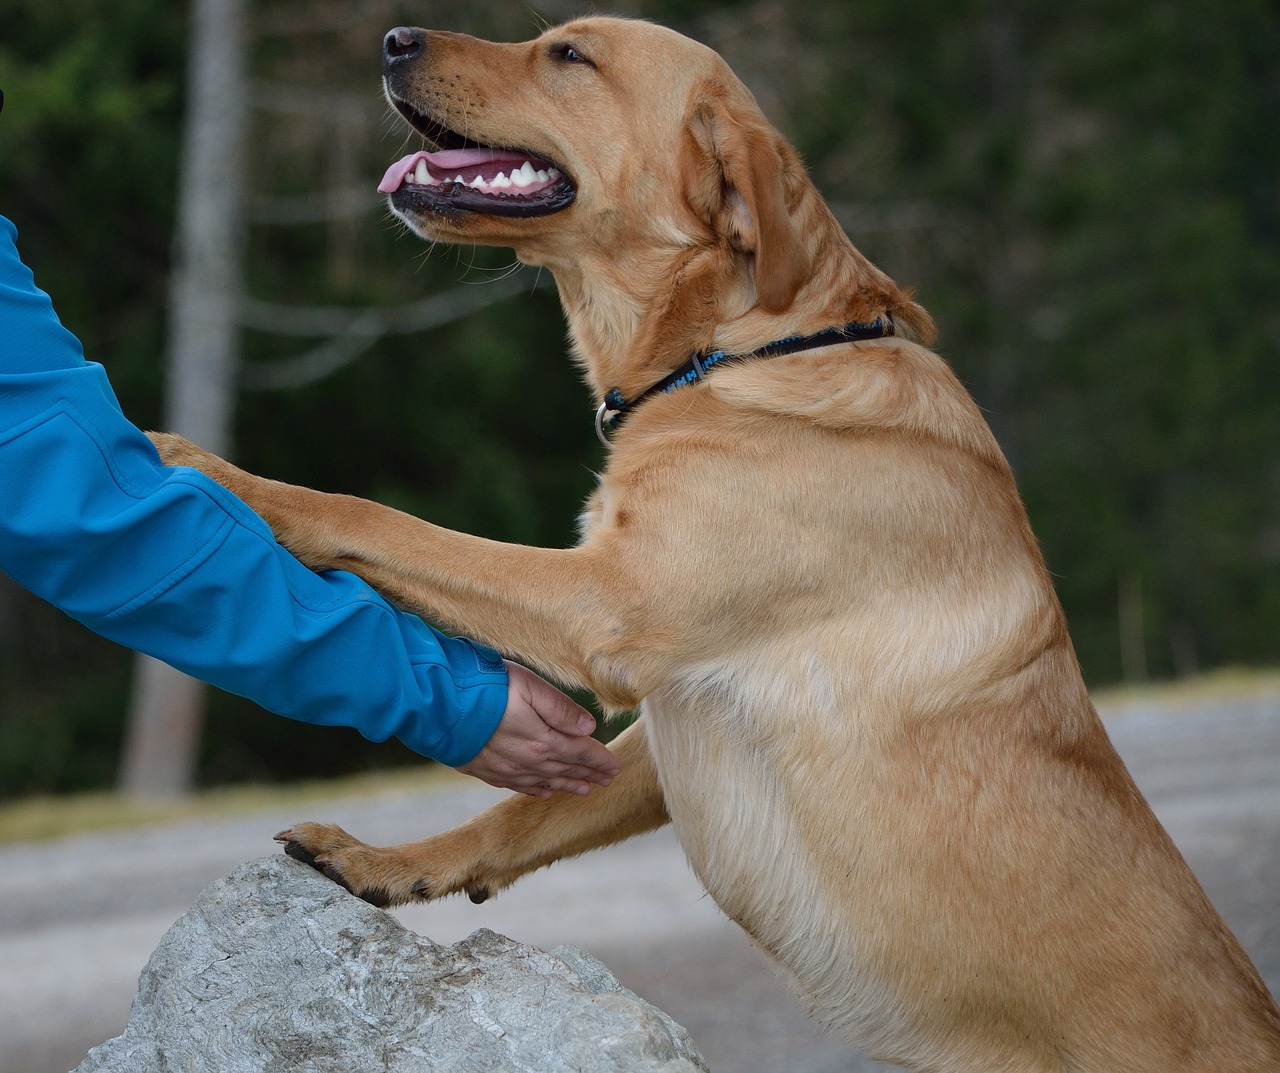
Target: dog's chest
[[738, 825]]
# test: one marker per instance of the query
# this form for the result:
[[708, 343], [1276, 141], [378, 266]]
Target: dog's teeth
[[524, 175]]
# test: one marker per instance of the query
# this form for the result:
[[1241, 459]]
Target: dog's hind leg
[[495, 848]]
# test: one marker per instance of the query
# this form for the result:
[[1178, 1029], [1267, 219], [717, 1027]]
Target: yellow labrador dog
[[808, 565]]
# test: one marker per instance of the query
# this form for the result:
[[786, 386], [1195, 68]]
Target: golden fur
[[814, 575]]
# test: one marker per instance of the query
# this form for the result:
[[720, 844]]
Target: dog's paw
[[345, 860], [385, 876]]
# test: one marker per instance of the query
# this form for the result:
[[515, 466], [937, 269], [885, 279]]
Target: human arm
[[168, 562]]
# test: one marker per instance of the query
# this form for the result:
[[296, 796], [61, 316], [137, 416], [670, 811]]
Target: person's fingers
[[600, 772], [539, 791], [560, 768], [526, 766], [546, 786], [552, 786], [543, 744], [554, 708], [581, 752], [561, 730], [598, 765]]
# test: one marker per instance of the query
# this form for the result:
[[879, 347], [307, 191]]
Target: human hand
[[543, 743]]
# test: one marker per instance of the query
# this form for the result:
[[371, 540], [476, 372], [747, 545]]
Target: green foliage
[[1158, 390], [62, 700], [1086, 198], [89, 142]]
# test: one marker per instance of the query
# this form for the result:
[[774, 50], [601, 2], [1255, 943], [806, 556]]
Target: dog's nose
[[402, 43]]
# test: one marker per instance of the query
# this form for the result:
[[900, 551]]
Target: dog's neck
[[631, 319], [634, 315]]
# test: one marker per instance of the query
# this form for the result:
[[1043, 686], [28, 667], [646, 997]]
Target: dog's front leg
[[553, 608], [495, 848]]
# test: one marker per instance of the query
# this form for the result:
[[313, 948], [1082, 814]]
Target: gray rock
[[275, 969]]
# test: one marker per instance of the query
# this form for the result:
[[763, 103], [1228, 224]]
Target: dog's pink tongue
[[395, 174], [447, 159]]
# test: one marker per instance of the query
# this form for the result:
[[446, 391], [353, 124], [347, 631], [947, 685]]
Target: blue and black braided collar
[[614, 409]]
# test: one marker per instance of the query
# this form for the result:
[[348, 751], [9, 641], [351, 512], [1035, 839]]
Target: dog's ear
[[734, 180]]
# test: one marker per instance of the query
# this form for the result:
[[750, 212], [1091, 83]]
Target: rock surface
[[275, 969]]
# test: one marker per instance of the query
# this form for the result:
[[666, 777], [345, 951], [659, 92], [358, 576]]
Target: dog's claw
[[477, 893]]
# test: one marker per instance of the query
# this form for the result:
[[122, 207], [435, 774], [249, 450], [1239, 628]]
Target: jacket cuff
[[477, 682]]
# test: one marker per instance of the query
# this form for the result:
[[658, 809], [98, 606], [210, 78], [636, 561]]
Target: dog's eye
[[569, 53]]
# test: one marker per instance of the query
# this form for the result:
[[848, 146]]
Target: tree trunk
[[166, 711]]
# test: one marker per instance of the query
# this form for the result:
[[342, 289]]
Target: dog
[[808, 566]]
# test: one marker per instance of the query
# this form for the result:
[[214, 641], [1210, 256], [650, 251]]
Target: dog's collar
[[613, 411]]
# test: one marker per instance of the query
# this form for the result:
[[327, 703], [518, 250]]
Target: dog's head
[[603, 136]]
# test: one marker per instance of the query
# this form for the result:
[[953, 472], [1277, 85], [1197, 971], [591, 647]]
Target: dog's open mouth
[[463, 176]]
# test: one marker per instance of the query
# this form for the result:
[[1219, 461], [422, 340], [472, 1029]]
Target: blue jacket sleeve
[[168, 562]]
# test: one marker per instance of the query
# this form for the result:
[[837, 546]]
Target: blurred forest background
[[1085, 196]]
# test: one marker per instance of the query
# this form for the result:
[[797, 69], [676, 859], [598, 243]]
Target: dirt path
[[80, 916]]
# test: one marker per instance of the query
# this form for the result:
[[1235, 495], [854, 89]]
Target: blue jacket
[[168, 562]]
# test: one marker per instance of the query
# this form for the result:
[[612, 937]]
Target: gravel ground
[[79, 916]]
